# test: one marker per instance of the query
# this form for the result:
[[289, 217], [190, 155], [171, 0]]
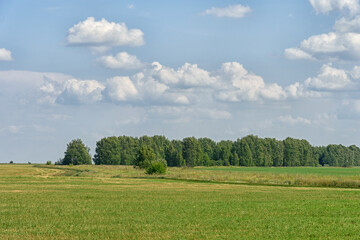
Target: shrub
[[48, 163], [11, 162], [156, 167]]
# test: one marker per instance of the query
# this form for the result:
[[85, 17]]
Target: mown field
[[119, 202]]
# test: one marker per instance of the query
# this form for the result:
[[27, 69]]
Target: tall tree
[[145, 157], [191, 151], [76, 153], [108, 151]]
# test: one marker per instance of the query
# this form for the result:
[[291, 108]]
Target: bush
[[11, 162], [156, 167], [48, 163]]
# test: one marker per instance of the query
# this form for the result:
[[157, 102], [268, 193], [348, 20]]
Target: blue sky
[[218, 69]]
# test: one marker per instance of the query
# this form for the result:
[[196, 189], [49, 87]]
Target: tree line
[[247, 151]]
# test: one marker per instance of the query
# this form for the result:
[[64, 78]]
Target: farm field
[[120, 202]]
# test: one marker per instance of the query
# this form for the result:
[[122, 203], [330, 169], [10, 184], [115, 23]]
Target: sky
[[219, 69]]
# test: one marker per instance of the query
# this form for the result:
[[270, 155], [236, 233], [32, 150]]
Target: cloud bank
[[156, 84]]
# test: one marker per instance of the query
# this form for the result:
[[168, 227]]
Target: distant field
[[337, 171], [116, 202]]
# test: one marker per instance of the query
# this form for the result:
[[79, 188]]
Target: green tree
[[291, 152], [129, 147], [191, 151], [205, 160], [207, 146], [234, 159], [108, 151], [245, 155], [145, 157], [76, 153]]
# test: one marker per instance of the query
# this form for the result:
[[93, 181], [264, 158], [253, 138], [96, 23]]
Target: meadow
[[120, 202]]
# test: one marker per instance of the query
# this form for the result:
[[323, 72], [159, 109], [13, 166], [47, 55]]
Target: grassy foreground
[[115, 202]]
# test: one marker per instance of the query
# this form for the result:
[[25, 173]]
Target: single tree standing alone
[[76, 153]]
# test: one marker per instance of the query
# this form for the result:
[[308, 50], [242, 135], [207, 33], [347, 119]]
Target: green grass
[[336, 171], [115, 202]]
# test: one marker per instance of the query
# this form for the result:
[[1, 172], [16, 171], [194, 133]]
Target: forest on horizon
[[247, 151]]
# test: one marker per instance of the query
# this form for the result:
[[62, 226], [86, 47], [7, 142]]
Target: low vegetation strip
[[308, 177]]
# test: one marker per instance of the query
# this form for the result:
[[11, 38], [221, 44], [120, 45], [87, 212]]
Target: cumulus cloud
[[5, 55], [121, 60], [348, 24], [333, 45], [156, 85], [81, 91], [341, 44], [121, 89], [246, 86], [299, 90], [71, 91], [329, 78], [101, 35], [188, 75], [296, 53], [326, 6], [233, 11]]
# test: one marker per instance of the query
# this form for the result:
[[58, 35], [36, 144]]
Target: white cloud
[[290, 120], [233, 11], [101, 35], [188, 75], [341, 44], [121, 89], [245, 86], [355, 73], [296, 53], [5, 55], [189, 84], [333, 45], [324, 43], [329, 78], [181, 100], [348, 25], [326, 6], [121, 60], [80, 91], [299, 90]]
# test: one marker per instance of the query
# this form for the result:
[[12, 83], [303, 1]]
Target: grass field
[[116, 202]]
